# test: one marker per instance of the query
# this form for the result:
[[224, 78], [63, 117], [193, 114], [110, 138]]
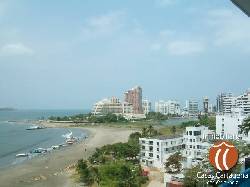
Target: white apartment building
[[146, 106], [155, 151], [193, 108], [228, 124], [226, 101], [243, 102], [168, 107], [112, 105], [195, 146]]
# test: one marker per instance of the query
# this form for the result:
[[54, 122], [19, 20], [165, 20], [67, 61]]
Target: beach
[[56, 169]]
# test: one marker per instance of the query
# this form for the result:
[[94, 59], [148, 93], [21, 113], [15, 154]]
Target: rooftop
[[164, 137]]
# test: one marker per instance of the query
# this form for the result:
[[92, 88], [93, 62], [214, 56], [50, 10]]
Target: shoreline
[[55, 169]]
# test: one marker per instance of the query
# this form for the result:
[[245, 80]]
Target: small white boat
[[70, 141], [55, 147], [35, 127], [22, 155]]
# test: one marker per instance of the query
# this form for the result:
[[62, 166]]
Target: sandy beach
[[55, 169]]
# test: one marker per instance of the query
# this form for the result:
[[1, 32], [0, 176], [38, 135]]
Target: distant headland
[[7, 109]]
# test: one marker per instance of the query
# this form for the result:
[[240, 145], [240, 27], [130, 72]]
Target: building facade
[[155, 151], [134, 97], [193, 108], [205, 105], [225, 102], [146, 106], [112, 105], [168, 107], [243, 102], [228, 124]]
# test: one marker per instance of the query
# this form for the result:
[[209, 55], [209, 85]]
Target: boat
[[35, 127], [39, 150], [22, 155], [55, 147], [70, 141]]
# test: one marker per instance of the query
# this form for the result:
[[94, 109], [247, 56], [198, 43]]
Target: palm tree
[[150, 130], [144, 132]]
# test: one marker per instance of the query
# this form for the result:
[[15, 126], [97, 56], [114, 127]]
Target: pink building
[[134, 97]]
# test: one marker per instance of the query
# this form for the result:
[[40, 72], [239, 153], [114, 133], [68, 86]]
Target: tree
[[86, 176], [191, 179], [245, 127], [144, 132], [173, 164], [150, 130], [173, 129]]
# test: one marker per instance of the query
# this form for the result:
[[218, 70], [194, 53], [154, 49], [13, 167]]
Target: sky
[[69, 54]]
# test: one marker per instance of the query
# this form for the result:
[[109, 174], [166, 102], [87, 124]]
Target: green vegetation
[[245, 127], [205, 120], [114, 165], [156, 116], [210, 122], [191, 179], [108, 118], [78, 117], [173, 164]]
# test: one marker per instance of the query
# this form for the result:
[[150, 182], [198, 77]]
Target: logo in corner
[[223, 155]]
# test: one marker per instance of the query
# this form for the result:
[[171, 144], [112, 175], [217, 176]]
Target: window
[[143, 141], [150, 148], [157, 149], [143, 154], [157, 143], [143, 147], [166, 149], [197, 133], [151, 142], [150, 154], [193, 140], [190, 140], [190, 146], [190, 133], [157, 156], [172, 148], [166, 143]]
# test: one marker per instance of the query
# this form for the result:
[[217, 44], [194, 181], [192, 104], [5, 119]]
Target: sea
[[15, 139]]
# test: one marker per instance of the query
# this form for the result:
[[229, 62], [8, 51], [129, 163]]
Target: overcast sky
[[70, 54]]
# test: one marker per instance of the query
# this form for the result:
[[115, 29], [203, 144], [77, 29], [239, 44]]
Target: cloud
[[230, 28], [181, 48], [103, 25], [15, 49]]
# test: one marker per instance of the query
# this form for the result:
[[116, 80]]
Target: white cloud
[[103, 25], [231, 28], [15, 49], [180, 48]]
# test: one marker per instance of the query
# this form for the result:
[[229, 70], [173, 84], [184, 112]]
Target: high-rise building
[[225, 102], [146, 106], [134, 97], [193, 107], [168, 107], [205, 104], [243, 102]]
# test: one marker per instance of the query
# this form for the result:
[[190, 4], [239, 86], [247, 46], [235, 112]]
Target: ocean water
[[15, 139]]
